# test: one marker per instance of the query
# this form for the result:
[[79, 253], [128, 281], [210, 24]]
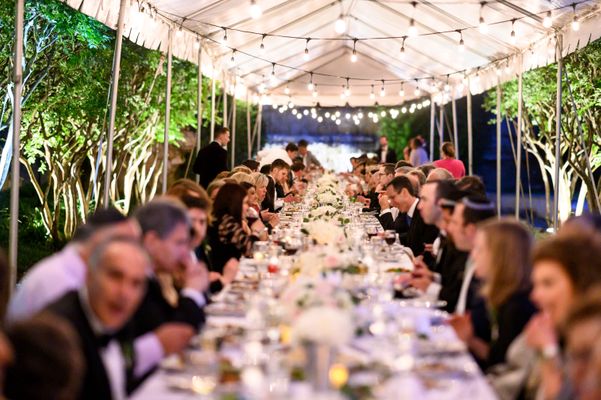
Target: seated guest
[[228, 237], [400, 193], [386, 175], [403, 163], [186, 187], [199, 212], [52, 277], [98, 311], [292, 151], [240, 168], [214, 187], [501, 255], [565, 267], [402, 171], [426, 168], [582, 331], [270, 220], [253, 165], [48, 361], [439, 174], [417, 177], [298, 169], [277, 188], [449, 162]]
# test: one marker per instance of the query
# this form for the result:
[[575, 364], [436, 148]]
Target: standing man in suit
[[212, 159], [386, 154], [309, 159], [98, 311], [400, 193]]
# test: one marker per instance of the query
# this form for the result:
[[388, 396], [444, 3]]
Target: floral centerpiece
[[326, 259], [324, 232]]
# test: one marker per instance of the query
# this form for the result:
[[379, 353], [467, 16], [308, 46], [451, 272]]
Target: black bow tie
[[104, 339]]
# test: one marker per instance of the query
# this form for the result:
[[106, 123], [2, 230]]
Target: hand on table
[[174, 336], [462, 324]]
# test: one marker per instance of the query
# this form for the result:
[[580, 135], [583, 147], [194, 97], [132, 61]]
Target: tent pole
[[498, 148], [16, 143], [225, 115], [441, 129], [455, 136], [259, 120], [233, 150], [559, 53], [432, 125], [167, 110], [248, 127], [518, 165], [113, 106], [199, 105], [470, 143], [213, 106]]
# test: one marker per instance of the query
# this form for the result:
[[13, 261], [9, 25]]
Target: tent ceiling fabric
[[430, 58]]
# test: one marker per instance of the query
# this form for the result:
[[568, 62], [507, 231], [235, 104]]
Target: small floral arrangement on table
[[324, 232], [319, 310], [328, 259]]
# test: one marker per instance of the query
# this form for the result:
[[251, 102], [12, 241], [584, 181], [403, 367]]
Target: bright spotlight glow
[[255, 10], [340, 25]]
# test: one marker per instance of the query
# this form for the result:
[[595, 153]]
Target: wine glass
[[390, 237]]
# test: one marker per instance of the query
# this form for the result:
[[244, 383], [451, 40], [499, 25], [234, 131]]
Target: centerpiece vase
[[319, 359]]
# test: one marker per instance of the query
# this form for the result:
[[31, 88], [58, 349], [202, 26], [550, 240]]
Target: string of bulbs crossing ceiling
[[359, 51]]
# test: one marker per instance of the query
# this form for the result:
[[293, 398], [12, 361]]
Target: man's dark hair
[[401, 182], [291, 147], [426, 168], [303, 143], [403, 163], [196, 202], [297, 166], [252, 164], [48, 364], [161, 216], [221, 130], [265, 169], [100, 218], [477, 209], [473, 185], [279, 164], [388, 169]]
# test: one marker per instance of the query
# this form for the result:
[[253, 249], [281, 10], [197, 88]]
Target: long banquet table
[[253, 347]]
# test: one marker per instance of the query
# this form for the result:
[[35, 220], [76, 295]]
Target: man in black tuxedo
[[212, 159], [400, 193], [276, 195], [99, 311], [386, 154], [166, 231]]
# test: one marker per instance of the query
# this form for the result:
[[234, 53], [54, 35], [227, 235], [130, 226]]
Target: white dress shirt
[[412, 208], [470, 268]]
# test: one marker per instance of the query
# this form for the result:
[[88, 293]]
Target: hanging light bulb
[[575, 22], [514, 38], [482, 25], [372, 95], [255, 10], [179, 33], [343, 93], [287, 90], [347, 90], [310, 86], [402, 56], [197, 44], [272, 78], [548, 20], [507, 69], [412, 28], [461, 42], [340, 25], [382, 90], [354, 54], [315, 93], [224, 40], [306, 54], [233, 59], [262, 46], [447, 87], [418, 91], [402, 91]]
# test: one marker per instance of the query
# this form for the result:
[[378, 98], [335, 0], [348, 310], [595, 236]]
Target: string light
[[287, 90], [224, 40], [461, 42], [402, 56], [347, 90], [306, 54], [402, 91], [262, 47], [197, 44], [382, 90], [340, 25], [315, 91], [418, 91], [255, 10], [514, 38], [412, 28], [343, 94], [575, 22], [447, 87], [233, 59], [548, 20], [273, 72], [482, 26], [354, 55], [310, 86], [372, 95], [179, 33]]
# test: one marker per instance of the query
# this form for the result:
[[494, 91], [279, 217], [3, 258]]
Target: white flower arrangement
[[323, 212], [327, 259], [324, 325], [324, 232], [309, 292]]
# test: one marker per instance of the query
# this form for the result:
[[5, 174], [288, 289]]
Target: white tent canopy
[[431, 59]]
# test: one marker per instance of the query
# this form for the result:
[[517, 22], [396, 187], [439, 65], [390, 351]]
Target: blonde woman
[[501, 256]]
